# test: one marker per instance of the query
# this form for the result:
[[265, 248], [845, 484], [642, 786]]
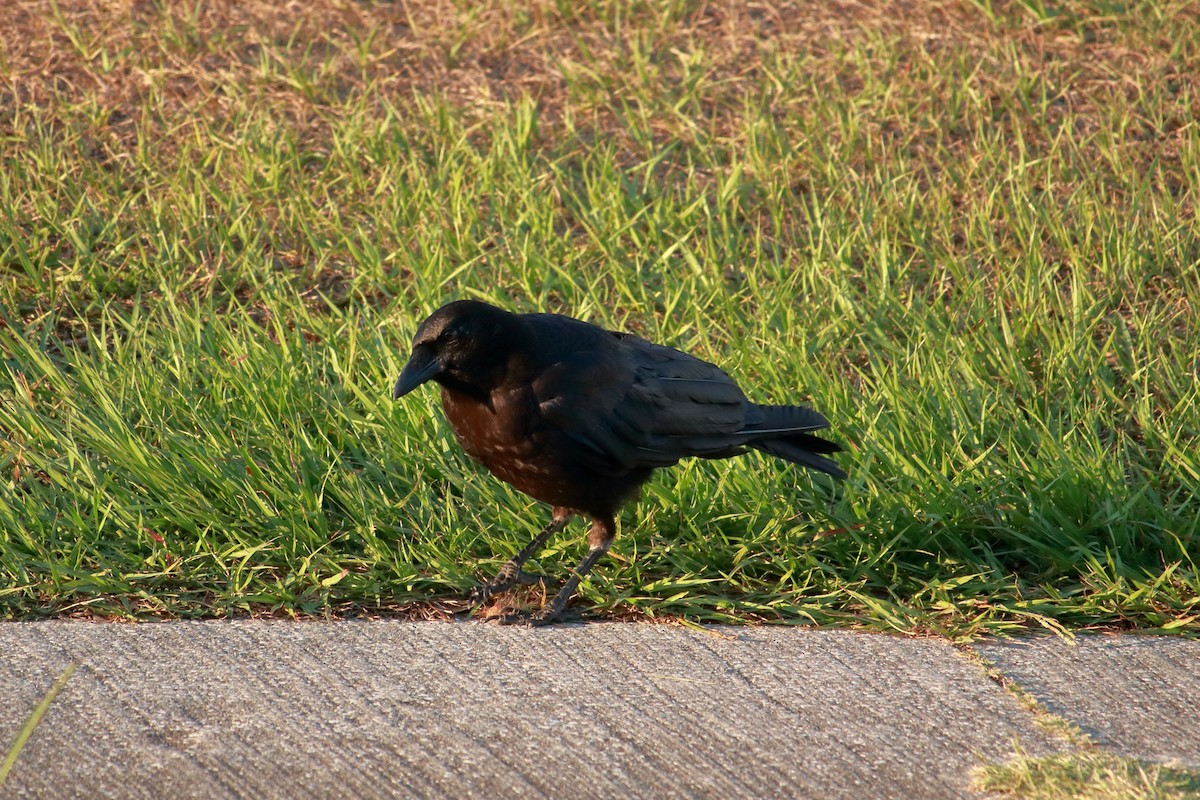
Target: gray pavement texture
[[1135, 695], [383, 709]]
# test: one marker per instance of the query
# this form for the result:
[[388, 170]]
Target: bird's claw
[[539, 618], [504, 581], [530, 579]]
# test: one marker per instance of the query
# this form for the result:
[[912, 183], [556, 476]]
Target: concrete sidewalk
[[384, 709]]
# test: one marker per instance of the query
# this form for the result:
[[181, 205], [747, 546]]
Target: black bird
[[579, 417]]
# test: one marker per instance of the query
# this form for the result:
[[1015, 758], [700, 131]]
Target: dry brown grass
[[175, 61]]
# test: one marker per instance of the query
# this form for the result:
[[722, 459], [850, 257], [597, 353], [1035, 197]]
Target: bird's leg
[[604, 530], [511, 572]]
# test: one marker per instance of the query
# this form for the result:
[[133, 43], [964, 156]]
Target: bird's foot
[[539, 618], [530, 578], [547, 617], [483, 592], [504, 581]]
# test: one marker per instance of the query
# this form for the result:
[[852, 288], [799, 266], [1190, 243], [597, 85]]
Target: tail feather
[[786, 419], [804, 455], [785, 431]]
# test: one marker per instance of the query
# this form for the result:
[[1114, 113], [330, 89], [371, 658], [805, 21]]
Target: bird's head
[[465, 343]]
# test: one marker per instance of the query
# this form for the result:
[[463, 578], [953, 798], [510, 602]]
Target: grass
[[1094, 775], [964, 231]]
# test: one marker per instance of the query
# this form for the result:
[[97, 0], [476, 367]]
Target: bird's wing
[[632, 404]]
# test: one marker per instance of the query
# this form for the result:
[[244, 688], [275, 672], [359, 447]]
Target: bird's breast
[[502, 435], [509, 437]]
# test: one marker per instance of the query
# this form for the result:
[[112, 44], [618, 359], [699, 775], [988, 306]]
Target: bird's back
[[631, 404]]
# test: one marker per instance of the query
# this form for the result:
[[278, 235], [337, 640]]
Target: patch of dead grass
[[178, 60]]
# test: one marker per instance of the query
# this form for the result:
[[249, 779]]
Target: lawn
[[965, 231]]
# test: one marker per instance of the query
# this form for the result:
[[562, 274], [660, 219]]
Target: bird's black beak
[[422, 366]]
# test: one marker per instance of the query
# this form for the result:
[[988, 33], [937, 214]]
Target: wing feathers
[[631, 404]]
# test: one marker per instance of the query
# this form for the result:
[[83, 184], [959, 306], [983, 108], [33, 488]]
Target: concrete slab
[[392, 709], [1137, 695]]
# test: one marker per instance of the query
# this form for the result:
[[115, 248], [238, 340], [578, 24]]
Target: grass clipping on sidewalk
[[964, 231], [31, 723]]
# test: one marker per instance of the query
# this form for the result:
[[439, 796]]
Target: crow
[[579, 417]]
